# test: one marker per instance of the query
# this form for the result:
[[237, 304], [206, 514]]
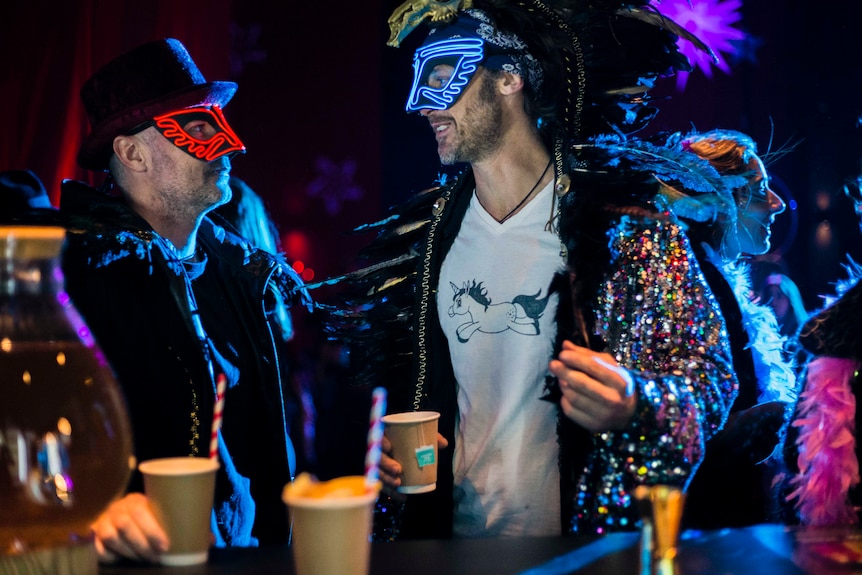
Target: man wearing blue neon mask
[[531, 308]]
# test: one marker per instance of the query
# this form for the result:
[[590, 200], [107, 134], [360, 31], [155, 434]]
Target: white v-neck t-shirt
[[495, 310]]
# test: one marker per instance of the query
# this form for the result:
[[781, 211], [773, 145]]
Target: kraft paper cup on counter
[[181, 491], [331, 524]]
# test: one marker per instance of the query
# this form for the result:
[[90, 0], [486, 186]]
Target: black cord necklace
[[530, 193]]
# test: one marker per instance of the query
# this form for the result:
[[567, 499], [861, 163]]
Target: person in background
[[821, 452], [248, 214], [23, 199], [781, 294], [732, 487], [528, 298], [176, 301]]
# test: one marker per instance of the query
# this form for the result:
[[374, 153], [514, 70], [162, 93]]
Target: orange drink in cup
[[331, 524]]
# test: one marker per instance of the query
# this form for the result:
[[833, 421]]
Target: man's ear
[[132, 152], [511, 83]]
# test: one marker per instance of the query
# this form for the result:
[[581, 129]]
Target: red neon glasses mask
[[202, 132]]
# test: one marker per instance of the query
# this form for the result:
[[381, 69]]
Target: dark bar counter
[[758, 550]]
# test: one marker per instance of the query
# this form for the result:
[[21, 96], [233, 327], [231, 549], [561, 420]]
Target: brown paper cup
[[331, 535], [414, 445], [181, 490]]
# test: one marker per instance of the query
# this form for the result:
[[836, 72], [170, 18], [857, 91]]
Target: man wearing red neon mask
[[175, 298]]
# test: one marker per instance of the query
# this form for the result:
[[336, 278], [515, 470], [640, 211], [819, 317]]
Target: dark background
[[320, 108]]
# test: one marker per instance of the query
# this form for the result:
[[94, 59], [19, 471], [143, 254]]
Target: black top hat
[[153, 79]]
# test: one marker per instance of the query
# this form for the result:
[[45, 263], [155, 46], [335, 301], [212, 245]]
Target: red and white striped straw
[[375, 436], [221, 385]]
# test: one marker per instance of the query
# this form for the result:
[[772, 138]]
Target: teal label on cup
[[425, 455]]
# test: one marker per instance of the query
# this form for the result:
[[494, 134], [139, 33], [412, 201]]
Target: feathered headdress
[[600, 57]]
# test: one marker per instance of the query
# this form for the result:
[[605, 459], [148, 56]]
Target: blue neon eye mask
[[450, 56], [441, 70]]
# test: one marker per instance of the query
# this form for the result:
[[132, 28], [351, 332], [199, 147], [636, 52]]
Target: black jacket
[[139, 301]]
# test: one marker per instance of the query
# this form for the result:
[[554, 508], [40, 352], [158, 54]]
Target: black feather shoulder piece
[[614, 177], [690, 187], [834, 330], [375, 314], [600, 58]]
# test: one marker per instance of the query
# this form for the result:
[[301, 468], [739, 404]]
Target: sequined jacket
[[633, 290], [136, 298]]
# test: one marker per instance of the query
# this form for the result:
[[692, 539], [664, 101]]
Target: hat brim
[[97, 147]]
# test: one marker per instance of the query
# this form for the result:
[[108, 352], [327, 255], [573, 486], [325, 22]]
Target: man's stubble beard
[[480, 129]]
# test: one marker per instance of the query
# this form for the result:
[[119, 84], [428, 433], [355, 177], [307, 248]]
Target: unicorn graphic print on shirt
[[471, 300]]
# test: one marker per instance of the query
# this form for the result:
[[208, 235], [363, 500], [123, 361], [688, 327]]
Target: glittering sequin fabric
[[662, 324]]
